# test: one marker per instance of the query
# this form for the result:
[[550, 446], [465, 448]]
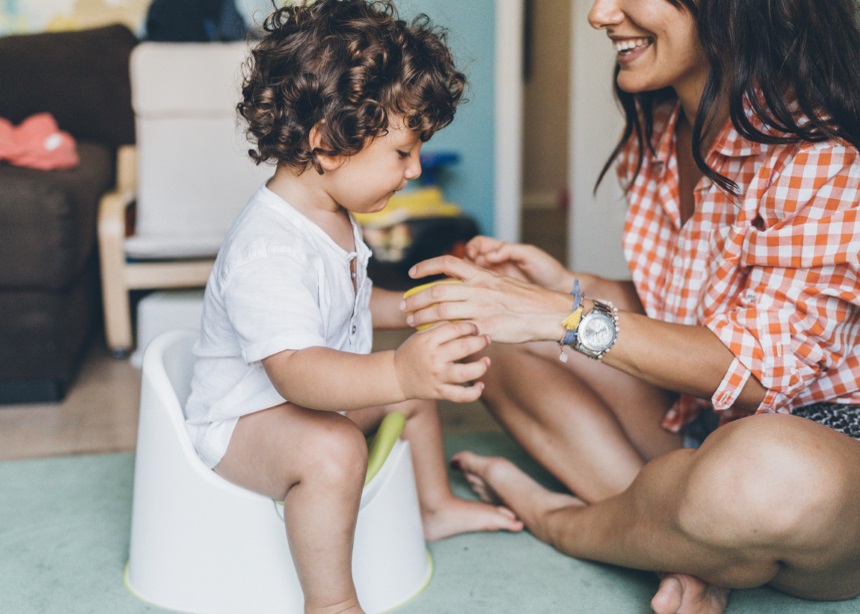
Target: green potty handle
[[383, 441]]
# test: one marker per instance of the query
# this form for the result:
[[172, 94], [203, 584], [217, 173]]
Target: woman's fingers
[[444, 265], [488, 252], [477, 246], [431, 314]]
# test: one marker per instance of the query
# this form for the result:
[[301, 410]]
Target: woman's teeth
[[626, 46]]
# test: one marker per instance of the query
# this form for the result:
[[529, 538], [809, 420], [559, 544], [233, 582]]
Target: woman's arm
[[688, 359], [508, 309]]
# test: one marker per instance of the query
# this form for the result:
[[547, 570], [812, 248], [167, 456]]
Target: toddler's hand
[[428, 363]]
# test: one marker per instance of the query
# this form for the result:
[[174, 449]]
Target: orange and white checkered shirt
[[774, 273]]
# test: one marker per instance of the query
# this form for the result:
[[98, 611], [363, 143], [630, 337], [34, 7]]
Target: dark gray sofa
[[50, 301]]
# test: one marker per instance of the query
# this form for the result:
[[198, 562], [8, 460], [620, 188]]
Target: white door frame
[[508, 119]]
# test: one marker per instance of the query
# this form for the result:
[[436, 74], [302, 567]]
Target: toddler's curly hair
[[344, 66]]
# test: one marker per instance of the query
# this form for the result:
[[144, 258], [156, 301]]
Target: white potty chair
[[201, 544]]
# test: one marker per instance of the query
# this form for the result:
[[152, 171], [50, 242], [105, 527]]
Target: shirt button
[[354, 328]]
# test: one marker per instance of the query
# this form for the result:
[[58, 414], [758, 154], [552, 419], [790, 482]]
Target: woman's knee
[[760, 480]]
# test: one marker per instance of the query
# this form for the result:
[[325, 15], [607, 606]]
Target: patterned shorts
[[838, 416]]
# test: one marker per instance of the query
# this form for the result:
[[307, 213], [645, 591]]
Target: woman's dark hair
[[344, 67], [794, 63]]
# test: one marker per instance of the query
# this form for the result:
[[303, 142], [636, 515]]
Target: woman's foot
[[454, 515], [497, 480], [685, 594]]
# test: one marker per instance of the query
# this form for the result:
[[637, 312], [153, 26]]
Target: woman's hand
[[431, 364], [521, 261], [508, 309]]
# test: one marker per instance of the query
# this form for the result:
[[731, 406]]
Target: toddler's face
[[364, 182]]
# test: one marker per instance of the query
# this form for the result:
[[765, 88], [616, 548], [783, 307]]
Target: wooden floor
[[99, 414]]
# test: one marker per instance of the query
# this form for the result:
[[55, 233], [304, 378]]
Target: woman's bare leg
[[588, 424], [770, 499], [593, 428], [443, 514], [315, 462]]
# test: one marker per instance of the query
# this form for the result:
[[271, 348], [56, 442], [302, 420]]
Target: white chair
[[201, 544], [188, 176]]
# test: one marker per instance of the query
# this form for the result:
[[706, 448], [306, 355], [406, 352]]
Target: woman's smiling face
[[657, 44]]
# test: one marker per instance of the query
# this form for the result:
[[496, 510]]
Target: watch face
[[597, 332]]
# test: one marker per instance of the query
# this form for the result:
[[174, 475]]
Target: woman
[[741, 167]]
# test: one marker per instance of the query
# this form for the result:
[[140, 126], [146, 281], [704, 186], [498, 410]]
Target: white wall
[[595, 222]]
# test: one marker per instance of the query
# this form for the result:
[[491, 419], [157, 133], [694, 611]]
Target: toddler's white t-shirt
[[279, 283]]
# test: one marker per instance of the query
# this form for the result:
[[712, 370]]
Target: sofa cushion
[[48, 220], [43, 336], [79, 77]]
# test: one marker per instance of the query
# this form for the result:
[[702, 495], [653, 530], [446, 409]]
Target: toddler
[[340, 95]]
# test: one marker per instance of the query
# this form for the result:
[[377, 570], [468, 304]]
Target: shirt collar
[[729, 142]]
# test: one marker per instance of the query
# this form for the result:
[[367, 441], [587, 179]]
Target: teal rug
[[64, 525]]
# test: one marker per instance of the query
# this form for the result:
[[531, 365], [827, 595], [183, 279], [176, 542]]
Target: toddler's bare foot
[[455, 515], [685, 594]]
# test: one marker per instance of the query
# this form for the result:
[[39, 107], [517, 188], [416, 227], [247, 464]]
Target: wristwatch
[[597, 330]]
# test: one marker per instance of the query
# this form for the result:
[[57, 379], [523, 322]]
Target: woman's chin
[[635, 86]]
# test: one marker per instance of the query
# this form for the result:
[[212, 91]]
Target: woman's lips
[[631, 48]]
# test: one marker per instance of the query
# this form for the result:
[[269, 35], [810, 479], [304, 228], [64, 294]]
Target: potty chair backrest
[[178, 364]]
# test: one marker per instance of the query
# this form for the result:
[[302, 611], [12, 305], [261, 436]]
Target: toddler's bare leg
[[442, 513], [315, 462]]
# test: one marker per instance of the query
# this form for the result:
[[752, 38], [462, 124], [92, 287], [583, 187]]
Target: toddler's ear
[[318, 145]]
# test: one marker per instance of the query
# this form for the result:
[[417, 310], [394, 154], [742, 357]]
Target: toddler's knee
[[339, 454]]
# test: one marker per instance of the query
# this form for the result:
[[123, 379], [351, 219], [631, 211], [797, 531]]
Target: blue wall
[[471, 35], [470, 25]]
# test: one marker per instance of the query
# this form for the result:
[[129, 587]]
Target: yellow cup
[[418, 289]]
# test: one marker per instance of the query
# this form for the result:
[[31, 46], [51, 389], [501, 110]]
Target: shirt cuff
[[730, 388]]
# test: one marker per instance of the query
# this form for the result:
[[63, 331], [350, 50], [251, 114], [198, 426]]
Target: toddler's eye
[[402, 154]]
